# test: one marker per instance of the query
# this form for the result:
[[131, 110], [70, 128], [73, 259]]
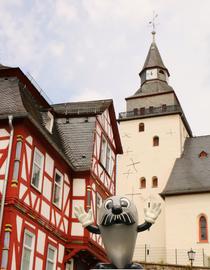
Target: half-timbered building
[[52, 158]]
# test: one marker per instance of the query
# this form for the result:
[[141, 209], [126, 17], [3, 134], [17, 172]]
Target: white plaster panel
[[78, 187], [66, 178], [77, 229], [1, 185], [37, 205], [39, 263], [33, 198], [66, 193], [27, 201], [28, 155], [13, 259], [19, 222], [29, 139], [62, 227], [23, 172], [3, 132], [45, 210], [66, 224], [3, 167], [1, 154], [49, 165], [60, 253], [41, 242], [4, 144], [57, 217], [53, 217], [22, 190], [67, 208], [47, 188], [94, 186], [76, 203]]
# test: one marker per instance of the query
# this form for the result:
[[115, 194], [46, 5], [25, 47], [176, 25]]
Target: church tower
[[153, 131]]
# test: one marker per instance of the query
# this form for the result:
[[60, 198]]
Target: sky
[[94, 49]]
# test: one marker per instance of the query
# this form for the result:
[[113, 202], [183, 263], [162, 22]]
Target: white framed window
[[51, 258], [37, 169], [49, 121], [105, 156], [28, 251], [58, 189]]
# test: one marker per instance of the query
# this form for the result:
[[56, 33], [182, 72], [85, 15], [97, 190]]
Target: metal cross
[[132, 194], [153, 25], [128, 173], [133, 164]]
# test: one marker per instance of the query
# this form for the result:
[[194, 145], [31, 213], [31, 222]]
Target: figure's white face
[[117, 210]]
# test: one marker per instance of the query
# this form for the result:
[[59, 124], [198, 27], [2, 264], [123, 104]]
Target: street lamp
[[191, 256]]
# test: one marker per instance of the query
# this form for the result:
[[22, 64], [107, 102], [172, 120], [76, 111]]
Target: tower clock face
[[151, 74]]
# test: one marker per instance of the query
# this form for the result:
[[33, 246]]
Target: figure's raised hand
[[152, 212], [85, 218]]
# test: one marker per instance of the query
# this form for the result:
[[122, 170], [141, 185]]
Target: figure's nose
[[116, 209]]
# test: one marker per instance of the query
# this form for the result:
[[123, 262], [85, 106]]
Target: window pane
[[26, 259], [16, 169], [38, 158], [56, 198], [108, 152], [50, 265], [51, 254], [4, 259], [103, 151], [36, 175], [57, 178], [28, 240], [6, 239]]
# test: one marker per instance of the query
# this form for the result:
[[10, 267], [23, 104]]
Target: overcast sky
[[94, 49]]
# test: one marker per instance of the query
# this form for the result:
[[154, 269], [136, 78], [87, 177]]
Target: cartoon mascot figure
[[118, 227]]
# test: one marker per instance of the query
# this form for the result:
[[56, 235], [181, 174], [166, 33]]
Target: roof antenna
[[152, 23]]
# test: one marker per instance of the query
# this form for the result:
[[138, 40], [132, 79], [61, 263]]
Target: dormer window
[[49, 121]]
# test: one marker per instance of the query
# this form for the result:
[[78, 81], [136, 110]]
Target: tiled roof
[[191, 173]]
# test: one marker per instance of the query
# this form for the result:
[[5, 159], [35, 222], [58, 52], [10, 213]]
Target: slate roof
[[153, 87], [153, 58], [190, 174], [74, 126]]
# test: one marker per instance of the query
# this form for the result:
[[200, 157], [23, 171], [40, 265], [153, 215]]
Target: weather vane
[[152, 23]]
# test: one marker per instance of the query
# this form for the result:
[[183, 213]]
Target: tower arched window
[[203, 229], [142, 182], [141, 127], [155, 141], [154, 181]]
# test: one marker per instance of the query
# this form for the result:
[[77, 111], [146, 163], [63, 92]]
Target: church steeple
[[154, 68]]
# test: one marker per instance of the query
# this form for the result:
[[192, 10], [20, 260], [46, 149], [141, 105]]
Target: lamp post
[[191, 256]]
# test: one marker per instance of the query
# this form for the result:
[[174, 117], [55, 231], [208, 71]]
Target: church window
[[141, 127], [203, 155], [28, 251], [154, 182], [51, 258], [203, 230], [155, 141], [142, 182], [37, 170], [58, 188]]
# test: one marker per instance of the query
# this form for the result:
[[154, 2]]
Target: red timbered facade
[[52, 158]]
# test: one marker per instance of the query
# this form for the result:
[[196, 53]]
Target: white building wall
[[182, 230], [150, 161]]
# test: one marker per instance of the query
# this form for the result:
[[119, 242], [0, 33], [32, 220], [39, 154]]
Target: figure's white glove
[[152, 213], [85, 218]]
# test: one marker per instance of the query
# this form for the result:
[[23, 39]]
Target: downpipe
[[10, 118]]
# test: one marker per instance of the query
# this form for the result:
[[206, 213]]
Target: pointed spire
[[153, 58]]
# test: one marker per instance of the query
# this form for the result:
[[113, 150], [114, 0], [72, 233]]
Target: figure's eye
[[124, 202], [108, 204]]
